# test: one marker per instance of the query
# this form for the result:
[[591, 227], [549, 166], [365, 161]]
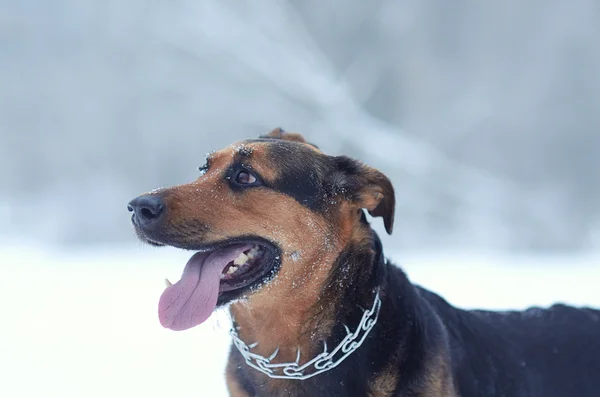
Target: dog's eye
[[245, 178]]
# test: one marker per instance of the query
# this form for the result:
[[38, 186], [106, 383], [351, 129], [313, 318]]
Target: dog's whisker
[[253, 345]]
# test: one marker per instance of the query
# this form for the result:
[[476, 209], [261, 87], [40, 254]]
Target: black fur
[[313, 178], [535, 353], [432, 348], [300, 173]]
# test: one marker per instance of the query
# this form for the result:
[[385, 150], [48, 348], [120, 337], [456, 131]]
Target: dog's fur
[[310, 205]]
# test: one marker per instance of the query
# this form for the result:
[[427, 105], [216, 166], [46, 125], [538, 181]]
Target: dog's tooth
[[168, 283], [241, 259], [253, 252], [232, 269]]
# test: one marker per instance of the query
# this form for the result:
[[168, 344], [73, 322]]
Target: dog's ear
[[367, 187], [279, 133]]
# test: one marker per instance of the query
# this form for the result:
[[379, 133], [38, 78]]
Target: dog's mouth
[[215, 275]]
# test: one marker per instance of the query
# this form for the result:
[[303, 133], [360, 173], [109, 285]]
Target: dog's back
[[282, 238], [536, 352]]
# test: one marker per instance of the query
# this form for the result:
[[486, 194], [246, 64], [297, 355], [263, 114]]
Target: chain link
[[324, 361]]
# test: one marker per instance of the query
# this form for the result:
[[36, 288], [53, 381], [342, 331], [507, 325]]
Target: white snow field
[[84, 323]]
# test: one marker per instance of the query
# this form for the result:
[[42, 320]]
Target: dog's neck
[[407, 332], [310, 318]]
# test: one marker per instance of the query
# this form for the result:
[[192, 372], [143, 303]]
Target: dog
[[281, 238]]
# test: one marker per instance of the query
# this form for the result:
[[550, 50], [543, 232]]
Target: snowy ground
[[84, 323]]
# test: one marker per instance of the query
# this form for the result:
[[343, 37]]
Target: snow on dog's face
[[267, 218]]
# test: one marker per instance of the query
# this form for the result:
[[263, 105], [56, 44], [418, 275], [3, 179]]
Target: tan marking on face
[[281, 308], [259, 160], [279, 313], [308, 240]]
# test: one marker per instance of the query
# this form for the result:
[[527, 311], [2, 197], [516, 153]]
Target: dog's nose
[[146, 209]]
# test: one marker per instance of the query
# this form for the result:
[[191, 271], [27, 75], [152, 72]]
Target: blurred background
[[485, 115]]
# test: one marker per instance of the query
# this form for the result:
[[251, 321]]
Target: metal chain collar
[[324, 361]]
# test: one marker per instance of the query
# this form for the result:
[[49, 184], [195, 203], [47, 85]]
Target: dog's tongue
[[191, 300]]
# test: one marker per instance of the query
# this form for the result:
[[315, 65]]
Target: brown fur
[[270, 317], [279, 133], [324, 264], [268, 214], [297, 308], [384, 384], [439, 379]]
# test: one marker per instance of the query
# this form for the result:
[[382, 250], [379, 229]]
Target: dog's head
[[270, 214]]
